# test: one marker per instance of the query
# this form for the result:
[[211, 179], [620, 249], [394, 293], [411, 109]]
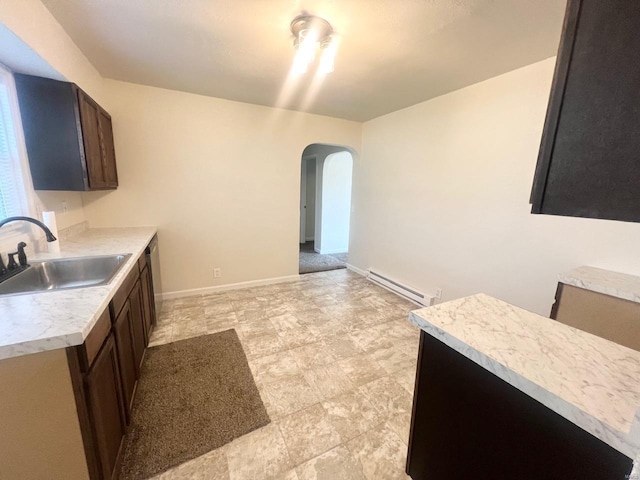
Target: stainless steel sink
[[64, 273]]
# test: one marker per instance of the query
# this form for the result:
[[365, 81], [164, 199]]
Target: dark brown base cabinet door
[[137, 319], [147, 303], [125, 344], [106, 409]]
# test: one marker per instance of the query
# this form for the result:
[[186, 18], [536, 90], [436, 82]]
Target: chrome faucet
[[9, 270]]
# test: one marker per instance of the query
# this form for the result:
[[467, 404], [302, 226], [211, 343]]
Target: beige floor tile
[[255, 328], [308, 433], [312, 317], [297, 337], [217, 308], [186, 329], [401, 424], [387, 396], [406, 378], [261, 454], [380, 453], [342, 346], [352, 414], [373, 338], [290, 475], [328, 380], [290, 394], [262, 346], [284, 322], [395, 358], [161, 335], [312, 355], [211, 466], [275, 309], [361, 368], [221, 321], [252, 315], [336, 464], [274, 367], [248, 303]]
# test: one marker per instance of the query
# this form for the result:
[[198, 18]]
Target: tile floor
[[334, 358]]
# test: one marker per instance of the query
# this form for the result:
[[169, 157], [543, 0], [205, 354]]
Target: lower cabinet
[[106, 368], [138, 324], [124, 335], [106, 409]]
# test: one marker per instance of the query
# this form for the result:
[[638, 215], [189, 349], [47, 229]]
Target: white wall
[[310, 223], [336, 202], [441, 198], [220, 179]]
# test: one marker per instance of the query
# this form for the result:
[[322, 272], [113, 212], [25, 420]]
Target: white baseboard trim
[[328, 252], [230, 286], [359, 271], [310, 239]]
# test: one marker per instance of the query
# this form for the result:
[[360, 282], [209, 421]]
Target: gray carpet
[[311, 261], [193, 396]]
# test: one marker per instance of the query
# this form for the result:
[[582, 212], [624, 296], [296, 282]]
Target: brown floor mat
[[193, 396]]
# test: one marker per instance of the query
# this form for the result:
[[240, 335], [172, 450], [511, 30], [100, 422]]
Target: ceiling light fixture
[[309, 33]]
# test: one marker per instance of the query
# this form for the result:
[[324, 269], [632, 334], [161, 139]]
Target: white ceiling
[[393, 53]]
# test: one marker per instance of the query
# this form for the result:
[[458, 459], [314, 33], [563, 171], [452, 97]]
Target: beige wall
[[220, 179], [441, 198]]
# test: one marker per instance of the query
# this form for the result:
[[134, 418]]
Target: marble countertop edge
[[614, 284]]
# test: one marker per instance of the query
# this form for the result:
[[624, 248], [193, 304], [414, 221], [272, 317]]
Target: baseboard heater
[[400, 289]]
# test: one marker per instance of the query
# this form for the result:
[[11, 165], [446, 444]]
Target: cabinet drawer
[[123, 292], [91, 346]]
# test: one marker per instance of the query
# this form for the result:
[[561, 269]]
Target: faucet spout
[[50, 236]]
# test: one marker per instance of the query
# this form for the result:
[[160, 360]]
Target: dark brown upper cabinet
[[69, 136], [589, 159]]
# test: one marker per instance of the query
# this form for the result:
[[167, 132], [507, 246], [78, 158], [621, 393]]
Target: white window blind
[[12, 186]]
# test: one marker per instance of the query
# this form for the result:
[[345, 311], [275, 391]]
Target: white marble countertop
[[58, 319], [590, 381], [615, 284]]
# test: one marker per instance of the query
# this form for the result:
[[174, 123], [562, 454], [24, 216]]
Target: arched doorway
[[325, 207]]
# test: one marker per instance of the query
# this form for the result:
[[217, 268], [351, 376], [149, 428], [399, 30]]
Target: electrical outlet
[[438, 293], [217, 273], [65, 208]]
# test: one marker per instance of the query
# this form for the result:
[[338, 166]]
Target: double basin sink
[[64, 273]]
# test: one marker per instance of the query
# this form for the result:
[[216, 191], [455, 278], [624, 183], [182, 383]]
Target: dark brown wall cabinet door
[[106, 408], [69, 137], [124, 334], [108, 149], [89, 113], [588, 165]]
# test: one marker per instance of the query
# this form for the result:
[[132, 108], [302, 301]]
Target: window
[[13, 166]]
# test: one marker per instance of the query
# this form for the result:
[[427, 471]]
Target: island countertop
[[614, 284], [50, 320], [590, 381]]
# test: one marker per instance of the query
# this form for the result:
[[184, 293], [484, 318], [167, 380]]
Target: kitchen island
[[505, 393]]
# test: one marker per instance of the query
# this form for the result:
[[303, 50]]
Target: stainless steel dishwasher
[[153, 260]]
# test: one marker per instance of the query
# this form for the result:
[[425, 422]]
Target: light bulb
[[327, 61], [306, 46]]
